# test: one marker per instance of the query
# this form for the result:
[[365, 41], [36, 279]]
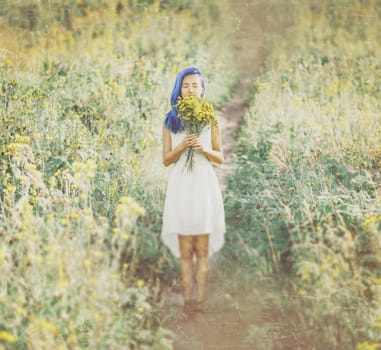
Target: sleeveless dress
[[193, 203]]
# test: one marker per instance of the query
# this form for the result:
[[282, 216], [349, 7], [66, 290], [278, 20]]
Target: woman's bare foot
[[187, 310], [199, 306]]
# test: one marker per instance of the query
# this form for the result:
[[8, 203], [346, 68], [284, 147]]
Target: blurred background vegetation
[[305, 200], [85, 87]]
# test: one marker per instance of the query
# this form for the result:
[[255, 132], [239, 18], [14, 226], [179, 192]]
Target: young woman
[[194, 219]]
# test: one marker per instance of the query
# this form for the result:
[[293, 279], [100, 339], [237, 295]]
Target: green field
[[85, 87]]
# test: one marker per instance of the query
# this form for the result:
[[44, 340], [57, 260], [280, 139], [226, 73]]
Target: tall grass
[[305, 200], [84, 92]]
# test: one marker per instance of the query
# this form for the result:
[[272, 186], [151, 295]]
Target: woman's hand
[[171, 155], [192, 141]]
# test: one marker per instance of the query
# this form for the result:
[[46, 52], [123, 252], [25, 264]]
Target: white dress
[[193, 203]]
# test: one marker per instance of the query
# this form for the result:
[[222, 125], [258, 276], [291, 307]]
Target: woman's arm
[[215, 154], [172, 155]]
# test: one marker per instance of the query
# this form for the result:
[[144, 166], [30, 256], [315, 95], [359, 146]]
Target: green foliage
[[305, 199], [82, 186]]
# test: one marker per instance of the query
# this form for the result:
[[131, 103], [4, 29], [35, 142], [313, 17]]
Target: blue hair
[[172, 120]]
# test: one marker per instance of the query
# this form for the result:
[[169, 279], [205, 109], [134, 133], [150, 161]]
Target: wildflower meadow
[[85, 86], [305, 200], [84, 90]]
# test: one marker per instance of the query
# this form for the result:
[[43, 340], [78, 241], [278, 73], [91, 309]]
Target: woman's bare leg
[[186, 265], [202, 253]]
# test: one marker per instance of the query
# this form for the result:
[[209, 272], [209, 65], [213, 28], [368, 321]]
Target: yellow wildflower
[[13, 148], [2, 256], [45, 325], [20, 311], [302, 292], [7, 337], [98, 254], [10, 188], [84, 170], [22, 139], [368, 346], [74, 215], [129, 207], [126, 236], [196, 112], [65, 221], [140, 283]]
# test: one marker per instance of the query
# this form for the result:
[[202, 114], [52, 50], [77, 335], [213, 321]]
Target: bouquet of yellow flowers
[[195, 113]]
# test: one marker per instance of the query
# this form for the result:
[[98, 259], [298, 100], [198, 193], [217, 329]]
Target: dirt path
[[250, 53], [231, 318]]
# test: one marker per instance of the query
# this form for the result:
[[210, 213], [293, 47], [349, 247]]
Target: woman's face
[[192, 86]]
